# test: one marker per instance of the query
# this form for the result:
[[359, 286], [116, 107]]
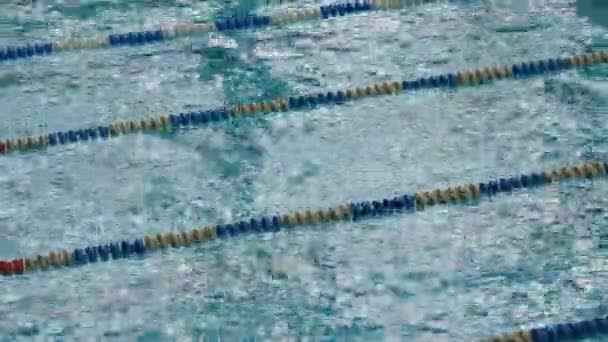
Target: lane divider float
[[562, 332], [172, 31], [166, 123], [409, 203]]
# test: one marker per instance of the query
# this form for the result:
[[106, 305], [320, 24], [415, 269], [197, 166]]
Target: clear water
[[453, 273]]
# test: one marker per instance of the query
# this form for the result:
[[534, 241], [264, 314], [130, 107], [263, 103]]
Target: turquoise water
[[452, 273]]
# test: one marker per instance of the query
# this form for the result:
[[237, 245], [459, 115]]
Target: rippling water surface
[[452, 273]]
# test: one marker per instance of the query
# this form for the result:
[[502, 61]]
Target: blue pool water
[[451, 273]]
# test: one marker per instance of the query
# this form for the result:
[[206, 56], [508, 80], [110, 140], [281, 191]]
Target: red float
[[18, 266], [6, 268]]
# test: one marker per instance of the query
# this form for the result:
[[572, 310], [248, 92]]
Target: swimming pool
[[453, 272]]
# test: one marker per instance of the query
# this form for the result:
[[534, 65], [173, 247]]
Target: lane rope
[[470, 193], [474, 77], [173, 31], [562, 332]]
